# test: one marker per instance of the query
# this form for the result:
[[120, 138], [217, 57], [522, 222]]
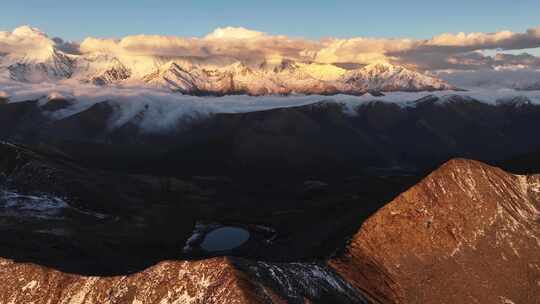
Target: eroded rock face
[[217, 280], [308, 282], [468, 233], [208, 281]]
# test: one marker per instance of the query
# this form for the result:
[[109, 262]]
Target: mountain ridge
[[465, 224], [210, 76]]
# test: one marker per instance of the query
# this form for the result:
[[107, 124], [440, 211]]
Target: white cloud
[[91, 44], [239, 43], [235, 33], [26, 41], [493, 79], [249, 45], [164, 110], [360, 50], [445, 51]]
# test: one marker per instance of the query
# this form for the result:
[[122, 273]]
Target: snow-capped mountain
[[172, 76], [288, 77], [45, 61], [193, 79], [386, 77], [38, 61], [101, 69], [54, 66]]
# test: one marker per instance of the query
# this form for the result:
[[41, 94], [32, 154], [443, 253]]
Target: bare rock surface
[[209, 281], [467, 233]]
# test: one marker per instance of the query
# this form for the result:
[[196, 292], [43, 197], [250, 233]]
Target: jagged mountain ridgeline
[[214, 75], [466, 233]]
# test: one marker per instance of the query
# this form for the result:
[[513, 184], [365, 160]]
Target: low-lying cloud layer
[[164, 110]]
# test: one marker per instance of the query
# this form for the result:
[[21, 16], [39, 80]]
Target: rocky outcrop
[[216, 280], [468, 233], [209, 281]]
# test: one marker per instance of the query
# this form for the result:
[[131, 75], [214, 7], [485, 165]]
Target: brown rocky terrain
[[86, 236], [216, 280], [467, 233], [209, 281]]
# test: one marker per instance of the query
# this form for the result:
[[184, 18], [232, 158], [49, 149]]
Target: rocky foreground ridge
[[467, 233], [211, 281]]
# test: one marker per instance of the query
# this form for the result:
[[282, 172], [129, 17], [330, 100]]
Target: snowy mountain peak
[[172, 65], [115, 72], [381, 66], [172, 76], [39, 58], [48, 64], [385, 76]]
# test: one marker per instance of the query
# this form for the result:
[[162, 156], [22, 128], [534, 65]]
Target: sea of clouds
[[163, 109]]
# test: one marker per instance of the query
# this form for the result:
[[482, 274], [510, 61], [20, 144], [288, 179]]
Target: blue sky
[[75, 20]]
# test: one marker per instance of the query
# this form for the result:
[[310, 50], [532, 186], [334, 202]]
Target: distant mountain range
[[214, 75]]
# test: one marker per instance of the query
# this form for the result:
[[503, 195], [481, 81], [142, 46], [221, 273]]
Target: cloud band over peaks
[[463, 51]]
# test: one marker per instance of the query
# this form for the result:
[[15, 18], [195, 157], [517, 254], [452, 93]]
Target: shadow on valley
[[82, 195], [56, 213]]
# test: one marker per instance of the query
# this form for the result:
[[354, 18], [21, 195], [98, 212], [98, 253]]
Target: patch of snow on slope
[[297, 281]]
